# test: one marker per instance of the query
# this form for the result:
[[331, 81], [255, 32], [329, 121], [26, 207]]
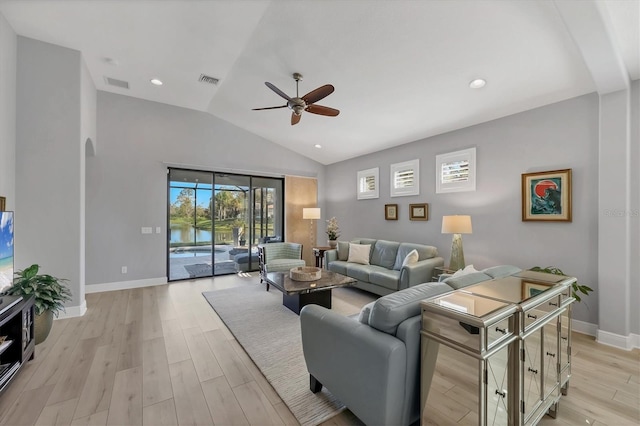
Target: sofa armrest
[[418, 273], [330, 256], [351, 359]]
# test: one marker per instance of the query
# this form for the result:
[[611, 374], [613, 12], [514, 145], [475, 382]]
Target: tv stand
[[16, 327]]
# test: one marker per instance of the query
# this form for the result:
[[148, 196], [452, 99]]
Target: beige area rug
[[270, 334]]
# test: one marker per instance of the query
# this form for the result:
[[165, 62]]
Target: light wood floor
[[161, 356]]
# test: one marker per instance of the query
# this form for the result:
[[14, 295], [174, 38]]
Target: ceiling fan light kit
[[305, 103]]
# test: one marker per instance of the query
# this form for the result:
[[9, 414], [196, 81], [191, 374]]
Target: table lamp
[[311, 213], [456, 225]]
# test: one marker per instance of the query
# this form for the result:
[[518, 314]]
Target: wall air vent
[[208, 79], [115, 82]]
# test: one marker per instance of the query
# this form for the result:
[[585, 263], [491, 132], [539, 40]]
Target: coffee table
[[296, 294]]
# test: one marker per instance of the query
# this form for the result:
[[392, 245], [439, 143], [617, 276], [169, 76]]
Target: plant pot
[[42, 326], [333, 243]]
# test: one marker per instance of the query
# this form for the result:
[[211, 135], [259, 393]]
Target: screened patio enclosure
[[216, 221]]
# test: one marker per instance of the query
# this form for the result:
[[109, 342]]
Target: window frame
[[365, 174], [414, 189], [465, 155]]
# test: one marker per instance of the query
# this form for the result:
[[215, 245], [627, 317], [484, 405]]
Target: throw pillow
[[343, 250], [359, 253], [469, 269], [411, 258]]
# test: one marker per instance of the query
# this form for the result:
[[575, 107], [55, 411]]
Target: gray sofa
[[372, 363], [385, 274]]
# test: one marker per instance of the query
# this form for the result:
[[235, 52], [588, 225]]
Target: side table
[[440, 270], [318, 252]]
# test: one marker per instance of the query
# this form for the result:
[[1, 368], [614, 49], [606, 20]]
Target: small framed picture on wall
[[391, 211], [419, 211]]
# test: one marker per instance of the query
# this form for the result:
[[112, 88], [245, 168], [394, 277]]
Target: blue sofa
[[372, 363], [385, 272]]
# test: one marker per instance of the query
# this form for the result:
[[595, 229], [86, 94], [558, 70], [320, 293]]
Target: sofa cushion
[[343, 250], [424, 252], [387, 278], [359, 272], [389, 311], [384, 253], [411, 258], [283, 265], [359, 253], [501, 271], [339, 266], [466, 280], [364, 241]]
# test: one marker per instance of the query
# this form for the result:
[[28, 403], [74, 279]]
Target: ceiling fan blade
[[276, 107], [322, 110], [320, 93], [278, 91], [295, 118]]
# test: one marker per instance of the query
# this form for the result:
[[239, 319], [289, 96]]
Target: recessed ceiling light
[[318, 146], [156, 82], [477, 83]]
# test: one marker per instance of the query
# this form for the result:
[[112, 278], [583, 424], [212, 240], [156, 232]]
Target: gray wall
[[634, 212], [8, 46], [48, 161], [558, 136], [127, 179]]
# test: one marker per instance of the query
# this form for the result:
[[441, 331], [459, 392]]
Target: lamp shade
[[458, 224], [311, 213]]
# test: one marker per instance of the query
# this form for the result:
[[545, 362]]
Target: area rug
[[270, 334]]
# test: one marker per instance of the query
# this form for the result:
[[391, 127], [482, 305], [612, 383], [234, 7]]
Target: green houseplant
[[577, 288], [50, 294]]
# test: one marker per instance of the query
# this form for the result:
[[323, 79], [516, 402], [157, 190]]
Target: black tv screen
[[6, 250]]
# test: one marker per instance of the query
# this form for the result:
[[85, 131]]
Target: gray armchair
[[371, 364]]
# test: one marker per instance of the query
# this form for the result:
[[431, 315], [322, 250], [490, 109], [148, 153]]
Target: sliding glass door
[[217, 221], [190, 224]]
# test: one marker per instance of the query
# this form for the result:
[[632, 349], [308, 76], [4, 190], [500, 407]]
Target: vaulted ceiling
[[401, 69]]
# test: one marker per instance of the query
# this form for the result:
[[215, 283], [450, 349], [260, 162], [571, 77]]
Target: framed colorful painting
[[546, 196]]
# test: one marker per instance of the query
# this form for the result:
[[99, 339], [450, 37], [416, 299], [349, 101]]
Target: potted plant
[[50, 294], [577, 288], [333, 232]]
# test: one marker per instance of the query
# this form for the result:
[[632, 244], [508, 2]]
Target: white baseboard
[[584, 327], [124, 285], [72, 311], [617, 340]]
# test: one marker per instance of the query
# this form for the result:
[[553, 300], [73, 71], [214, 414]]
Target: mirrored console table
[[504, 351]]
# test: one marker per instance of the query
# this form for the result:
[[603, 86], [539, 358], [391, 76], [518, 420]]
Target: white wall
[[8, 48], [127, 179], [48, 162], [634, 212], [558, 136]]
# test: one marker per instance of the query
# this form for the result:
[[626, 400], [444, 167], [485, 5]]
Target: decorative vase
[[42, 326], [333, 243]]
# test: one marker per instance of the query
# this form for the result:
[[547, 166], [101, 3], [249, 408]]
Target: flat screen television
[[6, 250]]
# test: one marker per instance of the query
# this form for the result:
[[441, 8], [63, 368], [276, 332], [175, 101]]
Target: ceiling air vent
[[208, 79], [115, 82]]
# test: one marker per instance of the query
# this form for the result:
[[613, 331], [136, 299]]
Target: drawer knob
[[532, 316], [553, 304], [501, 330], [532, 370]]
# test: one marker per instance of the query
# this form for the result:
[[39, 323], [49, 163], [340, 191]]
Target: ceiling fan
[[305, 103]]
